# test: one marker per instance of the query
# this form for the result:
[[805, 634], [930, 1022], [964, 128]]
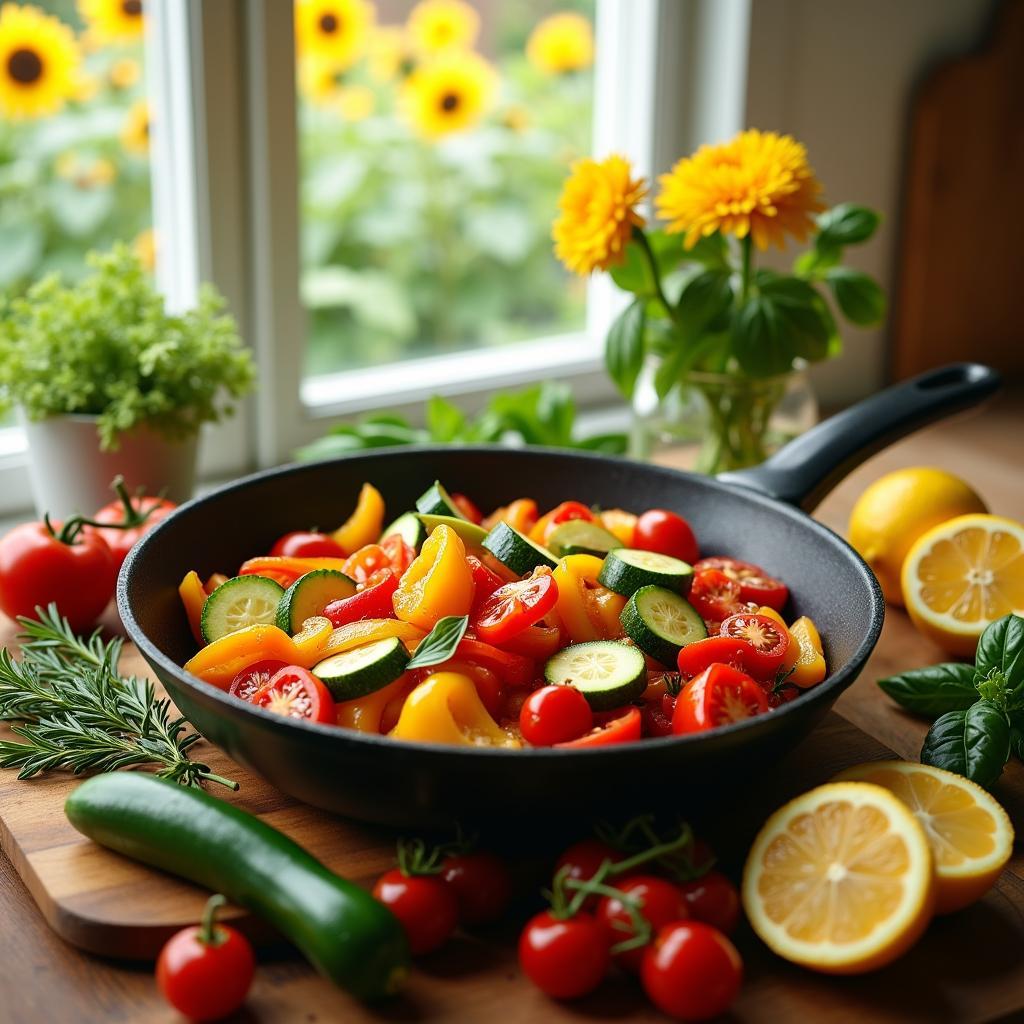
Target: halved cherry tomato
[[362, 564], [555, 714], [720, 695], [252, 679], [563, 513], [727, 650], [714, 595], [400, 554], [755, 584], [485, 581], [307, 544], [622, 729], [537, 642], [515, 606], [514, 669], [657, 715], [769, 642], [372, 602], [295, 693], [668, 534], [468, 508]]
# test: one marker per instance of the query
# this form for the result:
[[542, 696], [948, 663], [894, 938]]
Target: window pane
[[434, 139]]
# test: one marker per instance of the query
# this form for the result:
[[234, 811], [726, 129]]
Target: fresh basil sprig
[[440, 643], [978, 709]]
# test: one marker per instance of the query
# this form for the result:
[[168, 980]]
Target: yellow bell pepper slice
[[793, 651], [809, 669], [365, 524], [604, 607], [520, 514], [587, 610], [193, 597], [445, 708], [365, 713], [619, 522], [366, 631], [438, 583]]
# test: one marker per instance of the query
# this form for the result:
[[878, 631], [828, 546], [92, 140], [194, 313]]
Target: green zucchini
[[608, 673], [470, 533], [240, 602], [309, 595], [661, 622], [341, 929], [516, 550], [409, 528], [578, 537], [362, 670], [436, 501], [626, 570]]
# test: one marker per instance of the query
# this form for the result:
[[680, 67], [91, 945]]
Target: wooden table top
[[44, 979]]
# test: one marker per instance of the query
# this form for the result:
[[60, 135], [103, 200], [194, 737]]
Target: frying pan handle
[[806, 469]]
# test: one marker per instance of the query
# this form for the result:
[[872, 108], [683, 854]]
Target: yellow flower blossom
[[38, 63], [334, 30], [144, 247], [135, 133], [388, 54], [438, 25], [112, 21], [450, 93], [560, 43], [124, 73]]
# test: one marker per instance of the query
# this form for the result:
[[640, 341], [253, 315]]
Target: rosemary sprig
[[75, 711]]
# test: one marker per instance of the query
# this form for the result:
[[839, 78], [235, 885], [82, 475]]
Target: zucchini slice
[[626, 570], [409, 528], [436, 501], [661, 622], [578, 537], [309, 595], [362, 670], [516, 551], [608, 673], [470, 533], [240, 602]]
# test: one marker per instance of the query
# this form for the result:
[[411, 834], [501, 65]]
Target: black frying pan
[[752, 515]]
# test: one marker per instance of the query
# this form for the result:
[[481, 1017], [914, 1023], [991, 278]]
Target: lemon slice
[[962, 575], [970, 834], [840, 879]]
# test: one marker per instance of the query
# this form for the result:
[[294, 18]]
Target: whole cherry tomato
[[714, 595], [296, 693], [307, 544], [691, 971], [582, 860], [481, 884], [564, 957], [660, 903], [768, 640], [514, 607], [139, 513], [555, 714], [728, 650], [468, 508], [755, 584], [251, 680], [205, 971], [425, 906], [720, 695], [611, 727], [372, 602], [713, 899], [668, 534], [44, 562]]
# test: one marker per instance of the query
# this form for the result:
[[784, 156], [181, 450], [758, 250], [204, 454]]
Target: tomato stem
[[209, 934], [641, 931], [674, 854]]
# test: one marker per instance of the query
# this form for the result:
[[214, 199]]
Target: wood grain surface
[[968, 967]]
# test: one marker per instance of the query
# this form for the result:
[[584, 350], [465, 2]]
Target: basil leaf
[[974, 743], [440, 643], [933, 690], [1001, 649], [846, 224], [624, 348]]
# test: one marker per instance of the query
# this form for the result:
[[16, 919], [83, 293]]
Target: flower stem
[[645, 247], [746, 248]]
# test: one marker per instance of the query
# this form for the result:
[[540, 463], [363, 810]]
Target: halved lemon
[[970, 834], [840, 879], [963, 574]]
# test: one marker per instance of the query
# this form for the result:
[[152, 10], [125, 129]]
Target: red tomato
[[372, 602], [512, 703], [400, 555], [467, 508], [564, 958], [537, 642], [485, 581], [481, 883], [768, 642], [727, 650], [205, 971], [144, 513], [296, 693], [515, 606], [661, 903], [657, 715], [555, 714], [624, 729], [37, 568], [756, 585], [307, 544], [513, 669], [583, 859], [720, 695], [692, 971], [251, 680], [714, 595], [668, 534], [362, 564], [426, 908], [713, 899]]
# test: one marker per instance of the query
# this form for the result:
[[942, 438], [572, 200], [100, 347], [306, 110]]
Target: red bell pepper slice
[[372, 602], [622, 729]]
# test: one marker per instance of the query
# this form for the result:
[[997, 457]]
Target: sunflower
[[112, 21], [335, 30], [124, 73], [38, 63], [438, 25], [448, 94], [597, 214], [135, 133], [388, 54], [758, 184], [323, 83], [560, 43]]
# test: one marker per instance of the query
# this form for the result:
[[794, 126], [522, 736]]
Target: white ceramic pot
[[71, 474]]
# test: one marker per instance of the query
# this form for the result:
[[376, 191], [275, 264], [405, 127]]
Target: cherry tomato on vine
[[668, 534], [307, 544], [481, 884], [661, 903], [714, 595], [295, 693], [425, 906], [727, 650], [555, 714], [582, 860], [140, 512], [756, 585], [514, 607], [252, 679], [611, 727], [691, 971], [468, 508], [713, 899], [564, 957], [720, 695], [372, 602], [769, 642]]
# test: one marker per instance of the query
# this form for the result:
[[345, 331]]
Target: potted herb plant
[[108, 382]]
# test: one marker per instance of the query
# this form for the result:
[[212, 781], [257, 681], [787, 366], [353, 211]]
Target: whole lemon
[[897, 509]]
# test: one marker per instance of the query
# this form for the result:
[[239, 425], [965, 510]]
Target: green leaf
[[1001, 649], [669, 372], [1017, 741], [440, 643], [703, 299], [846, 224], [858, 296], [933, 690], [624, 348], [815, 261], [711, 250], [609, 444], [556, 411], [21, 246], [444, 420], [974, 743], [634, 275]]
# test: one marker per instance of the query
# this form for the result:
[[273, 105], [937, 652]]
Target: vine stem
[[746, 248]]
